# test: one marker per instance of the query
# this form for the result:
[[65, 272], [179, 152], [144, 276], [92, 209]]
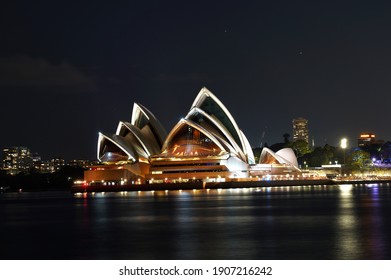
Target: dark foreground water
[[318, 222]]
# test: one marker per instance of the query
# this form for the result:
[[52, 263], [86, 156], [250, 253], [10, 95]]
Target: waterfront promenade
[[218, 185]]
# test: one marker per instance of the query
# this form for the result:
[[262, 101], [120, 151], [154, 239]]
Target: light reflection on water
[[292, 222], [347, 239]]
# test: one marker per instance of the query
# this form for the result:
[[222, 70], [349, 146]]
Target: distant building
[[368, 142], [80, 163], [368, 139], [300, 129], [36, 161], [56, 164], [44, 166], [17, 160]]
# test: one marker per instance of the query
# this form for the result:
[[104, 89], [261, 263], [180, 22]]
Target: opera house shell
[[206, 145]]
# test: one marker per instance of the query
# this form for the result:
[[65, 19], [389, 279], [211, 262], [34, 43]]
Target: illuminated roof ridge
[[230, 124], [225, 136], [208, 128], [141, 117], [146, 144], [248, 151], [117, 141]]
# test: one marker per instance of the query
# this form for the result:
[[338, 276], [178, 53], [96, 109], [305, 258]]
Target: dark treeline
[[62, 179]]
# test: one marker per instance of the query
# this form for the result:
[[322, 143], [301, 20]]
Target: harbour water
[[296, 222]]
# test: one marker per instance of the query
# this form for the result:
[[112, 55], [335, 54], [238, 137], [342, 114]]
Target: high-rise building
[[17, 160], [300, 129]]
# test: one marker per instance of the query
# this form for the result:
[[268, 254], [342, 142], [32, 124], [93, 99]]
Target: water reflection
[[359, 231], [291, 222], [373, 223], [206, 224], [347, 232], [250, 222]]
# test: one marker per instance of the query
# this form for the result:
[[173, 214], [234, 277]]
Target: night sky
[[71, 69]]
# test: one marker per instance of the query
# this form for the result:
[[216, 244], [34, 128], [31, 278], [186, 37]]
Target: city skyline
[[69, 71]]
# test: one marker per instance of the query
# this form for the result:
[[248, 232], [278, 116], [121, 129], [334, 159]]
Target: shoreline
[[217, 185]]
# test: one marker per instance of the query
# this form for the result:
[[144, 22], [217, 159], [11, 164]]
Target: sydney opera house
[[207, 145]]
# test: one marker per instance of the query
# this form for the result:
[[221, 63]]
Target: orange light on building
[[367, 135]]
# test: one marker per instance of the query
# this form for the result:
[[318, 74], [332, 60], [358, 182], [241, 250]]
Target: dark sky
[[71, 69]]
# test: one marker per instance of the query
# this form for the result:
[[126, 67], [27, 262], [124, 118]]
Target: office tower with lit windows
[[300, 129], [17, 160]]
